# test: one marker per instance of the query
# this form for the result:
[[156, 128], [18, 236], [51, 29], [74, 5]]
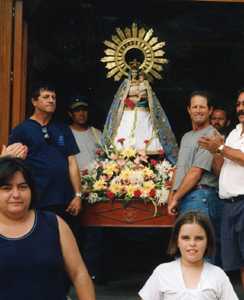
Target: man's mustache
[[240, 112]]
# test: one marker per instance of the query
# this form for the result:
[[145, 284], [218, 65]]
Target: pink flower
[[146, 142], [161, 152], [113, 156], [121, 162], [121, 141], [153, 162], [152, 193], [137, 160], [137, 193]]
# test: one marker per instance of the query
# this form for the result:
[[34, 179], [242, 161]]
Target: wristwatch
[[78, 194], [220, 149]]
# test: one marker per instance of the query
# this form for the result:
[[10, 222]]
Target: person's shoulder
[[23, 126], [210, 128], [48, 216], [166, 267], [187, 134], [96, 130], [60, 126], [25, 123], [214, 271]]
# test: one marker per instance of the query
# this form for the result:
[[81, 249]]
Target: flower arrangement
[[127, 174]]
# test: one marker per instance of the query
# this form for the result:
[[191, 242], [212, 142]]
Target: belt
[[203, 187], [234, 199]]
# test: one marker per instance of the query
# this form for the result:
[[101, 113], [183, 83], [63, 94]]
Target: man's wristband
[[220, 149], [78, 194]]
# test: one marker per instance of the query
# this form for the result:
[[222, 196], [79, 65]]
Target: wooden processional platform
[[135, 214]]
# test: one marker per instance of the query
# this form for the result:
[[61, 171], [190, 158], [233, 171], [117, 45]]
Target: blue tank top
[[32, 266]]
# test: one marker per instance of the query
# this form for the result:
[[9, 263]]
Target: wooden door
[[13, 59]]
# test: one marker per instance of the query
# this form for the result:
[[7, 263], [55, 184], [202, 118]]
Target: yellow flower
[[99, 185], [116, 188], [128, 153], [130, 189], [148, 173], [125, 174], [148, 185]]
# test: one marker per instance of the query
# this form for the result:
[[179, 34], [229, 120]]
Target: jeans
[[206, 201]]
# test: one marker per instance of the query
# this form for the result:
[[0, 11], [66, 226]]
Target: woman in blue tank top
[[36, 248]]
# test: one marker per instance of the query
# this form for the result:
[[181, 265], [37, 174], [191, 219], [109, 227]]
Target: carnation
[[126, 175]]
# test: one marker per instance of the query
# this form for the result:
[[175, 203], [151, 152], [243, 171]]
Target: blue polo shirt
[[48, 159]]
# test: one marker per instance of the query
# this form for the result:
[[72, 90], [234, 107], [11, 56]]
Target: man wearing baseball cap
[[87, 138]]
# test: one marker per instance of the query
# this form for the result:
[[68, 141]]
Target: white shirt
[[231, 179], [87, 142], [167, 283]]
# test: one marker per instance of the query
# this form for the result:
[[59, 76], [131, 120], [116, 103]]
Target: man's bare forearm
[[189, 182]]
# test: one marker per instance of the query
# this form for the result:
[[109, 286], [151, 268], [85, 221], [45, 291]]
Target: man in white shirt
[[87, 139], [229, 159]]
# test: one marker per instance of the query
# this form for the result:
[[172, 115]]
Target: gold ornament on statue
[[129, 40]]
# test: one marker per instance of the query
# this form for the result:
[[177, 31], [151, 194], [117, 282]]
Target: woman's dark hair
[[203, 94], [192, 217], [9, 166]]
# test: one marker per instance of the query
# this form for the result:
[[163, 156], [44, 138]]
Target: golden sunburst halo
[[134, 38]]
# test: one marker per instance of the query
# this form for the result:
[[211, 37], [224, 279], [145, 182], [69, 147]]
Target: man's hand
[[211, 143], [15, 150], [173, 204], [75, 206]]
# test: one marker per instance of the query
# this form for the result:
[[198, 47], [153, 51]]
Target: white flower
[[136, 177], [93, 198], [162, 195]]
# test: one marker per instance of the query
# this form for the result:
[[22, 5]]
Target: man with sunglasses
[[51, 157]]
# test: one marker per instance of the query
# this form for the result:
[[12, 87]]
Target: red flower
[[129, 103], [110, 195], [99, 151], [152, 193], [121, 141], [137, 193], [161, 152], [84, 172], [146, 142], [153, 162]]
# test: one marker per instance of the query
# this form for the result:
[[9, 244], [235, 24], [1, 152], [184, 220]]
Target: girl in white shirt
[[189, 277]]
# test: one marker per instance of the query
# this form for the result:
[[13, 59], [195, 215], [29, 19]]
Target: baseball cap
[[79, 102]]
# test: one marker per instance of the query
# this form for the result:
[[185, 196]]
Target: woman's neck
[[13, 219], [12, 225]]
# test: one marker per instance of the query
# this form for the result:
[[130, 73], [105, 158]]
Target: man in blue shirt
[[51, 157]]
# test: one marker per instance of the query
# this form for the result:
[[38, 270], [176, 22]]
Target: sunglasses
[[46, 135]]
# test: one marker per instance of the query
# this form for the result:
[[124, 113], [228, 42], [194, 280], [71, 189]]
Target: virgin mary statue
[[136, 119]]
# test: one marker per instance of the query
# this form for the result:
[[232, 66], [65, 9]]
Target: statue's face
[[133, 74]]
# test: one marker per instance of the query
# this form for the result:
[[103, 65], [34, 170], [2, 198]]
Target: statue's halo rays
[[124, 41]]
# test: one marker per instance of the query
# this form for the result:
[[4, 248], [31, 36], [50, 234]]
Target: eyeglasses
[[46, 134]]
